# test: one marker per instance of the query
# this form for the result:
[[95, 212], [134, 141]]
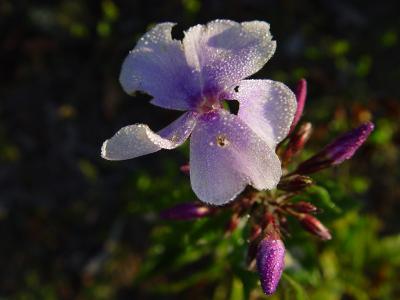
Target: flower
[[270, 263], [227, 151], [339, 150]]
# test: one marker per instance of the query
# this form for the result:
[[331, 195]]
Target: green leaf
[[299, 292], [237, 292], [319, 193], [388, 247]]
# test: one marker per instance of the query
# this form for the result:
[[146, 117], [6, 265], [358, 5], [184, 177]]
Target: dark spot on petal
[[236, 89], [222, 141], [177, 32], [233, 106]]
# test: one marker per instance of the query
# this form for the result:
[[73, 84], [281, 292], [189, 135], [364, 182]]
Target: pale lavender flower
[[270, 263], [227, 151]]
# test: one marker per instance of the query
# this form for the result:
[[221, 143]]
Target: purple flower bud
[[314, 226], [294, 183], [297, 142], [301, 94], [270, 263], [187, 211], [339, 150]]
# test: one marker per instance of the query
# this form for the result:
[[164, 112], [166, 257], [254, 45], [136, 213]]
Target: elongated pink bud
[[304, 207], [270, 263], [187, 211], [314, 226], [301, 94], [338, 151], [294, 183], [297, 142]]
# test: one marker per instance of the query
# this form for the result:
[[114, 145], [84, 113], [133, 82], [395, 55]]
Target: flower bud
[[283, 224], [255, 232], [187, 211], [185, 169], [301, 94], [304, 207], [270, 263], [314, 226], [294, 183], [339, 150], [297, 142], [233, 223]]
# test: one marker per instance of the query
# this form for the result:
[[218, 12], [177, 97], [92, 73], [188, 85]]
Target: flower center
[[208, 104]]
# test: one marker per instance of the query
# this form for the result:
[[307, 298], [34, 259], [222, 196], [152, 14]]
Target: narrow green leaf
[[299, 292], [320, 194], [237, 292]]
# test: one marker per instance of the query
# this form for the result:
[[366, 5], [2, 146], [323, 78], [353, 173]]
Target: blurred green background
[[74, 226]]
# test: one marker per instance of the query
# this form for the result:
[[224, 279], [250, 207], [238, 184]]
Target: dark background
[[63, 209]]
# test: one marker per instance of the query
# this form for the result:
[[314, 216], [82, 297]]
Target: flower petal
[[226, 155], [136, 140], [267, 107], [223, 52], [157, 66]]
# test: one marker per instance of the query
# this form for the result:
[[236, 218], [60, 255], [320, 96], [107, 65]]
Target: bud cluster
[[268, 210]]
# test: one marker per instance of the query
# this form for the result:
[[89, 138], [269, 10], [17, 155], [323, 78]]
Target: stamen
[[222, 141]]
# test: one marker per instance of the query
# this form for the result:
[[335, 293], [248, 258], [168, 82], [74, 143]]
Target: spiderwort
[[227, 151]]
